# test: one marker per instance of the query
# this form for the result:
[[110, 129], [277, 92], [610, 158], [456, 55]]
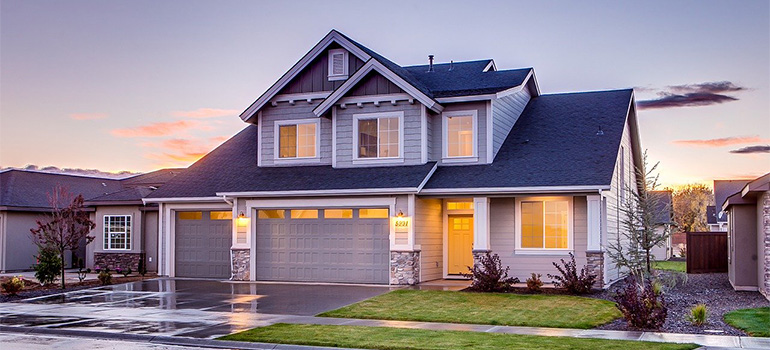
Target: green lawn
[[385, 338], [559, 311], [755, 322], [678, 266]]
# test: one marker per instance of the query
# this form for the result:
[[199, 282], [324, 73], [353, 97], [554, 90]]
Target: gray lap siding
[[503, 240], [285, 111]]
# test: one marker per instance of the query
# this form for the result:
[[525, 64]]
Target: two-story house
[[354, 169]]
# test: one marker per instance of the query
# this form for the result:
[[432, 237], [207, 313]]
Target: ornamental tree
[[65, 227]]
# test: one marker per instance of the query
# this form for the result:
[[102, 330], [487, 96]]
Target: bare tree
[[640, 222], [690, 204], [65, 227]]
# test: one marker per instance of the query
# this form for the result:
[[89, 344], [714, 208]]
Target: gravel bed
[[712, 289]]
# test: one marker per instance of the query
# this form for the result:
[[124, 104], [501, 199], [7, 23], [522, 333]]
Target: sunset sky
[[139, 85]]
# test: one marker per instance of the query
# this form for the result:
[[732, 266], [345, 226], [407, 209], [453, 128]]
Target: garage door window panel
[[304, 213], [374, 213], [271, 214], [338, 213], [117, 232]]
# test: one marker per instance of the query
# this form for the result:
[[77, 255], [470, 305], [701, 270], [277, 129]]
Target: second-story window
[[460, 134], [379, 135], [297, 139]]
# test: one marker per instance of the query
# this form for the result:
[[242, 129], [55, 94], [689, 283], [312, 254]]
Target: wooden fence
[[706, 252]]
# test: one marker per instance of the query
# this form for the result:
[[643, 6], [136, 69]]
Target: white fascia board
[[369, 66], [491, 65], [183, 200], [514, 190], [333, 36], [466, 98], [365, 191], [534, 80]]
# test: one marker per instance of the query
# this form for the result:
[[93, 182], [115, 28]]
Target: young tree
[[65, 227], [639, 233], [690, 204]]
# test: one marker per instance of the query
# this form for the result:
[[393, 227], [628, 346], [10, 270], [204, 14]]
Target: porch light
[[400, 214], [242, 220]]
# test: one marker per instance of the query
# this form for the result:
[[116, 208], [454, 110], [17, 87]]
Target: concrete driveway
[[179, 307]]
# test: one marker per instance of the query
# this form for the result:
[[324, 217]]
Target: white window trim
[[378, 159], [546, 251], [129, 234], [345, 70], [277, 141], [446, 158]]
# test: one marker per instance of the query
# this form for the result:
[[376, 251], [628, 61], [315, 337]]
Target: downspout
[[224, 197]]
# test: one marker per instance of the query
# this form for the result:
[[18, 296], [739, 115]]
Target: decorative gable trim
[[333, 37], [369, 66]]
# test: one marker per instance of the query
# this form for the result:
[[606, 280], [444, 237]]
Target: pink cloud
[[181, 152], [721, 142], [88, 116], [159, 129], [206, 113]]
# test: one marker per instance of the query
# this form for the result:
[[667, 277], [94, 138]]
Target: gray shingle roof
[[20, 188], [724, 189], [665, 206], [467, 78], [554, 143], [232, 167]]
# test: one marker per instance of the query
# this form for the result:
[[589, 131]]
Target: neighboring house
[[24, 199], [748, 235], [712, 219], [354, 169], [665, 218], [722, 190]]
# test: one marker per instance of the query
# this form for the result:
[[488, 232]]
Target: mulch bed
[[34, 289], [712, 289]]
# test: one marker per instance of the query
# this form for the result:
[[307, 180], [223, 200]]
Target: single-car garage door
[[323, 245], [202, 244]]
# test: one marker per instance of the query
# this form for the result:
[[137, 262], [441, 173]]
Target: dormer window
[[460, 134], [338, 64]]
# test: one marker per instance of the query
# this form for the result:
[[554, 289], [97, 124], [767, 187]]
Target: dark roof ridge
[[65, 174]]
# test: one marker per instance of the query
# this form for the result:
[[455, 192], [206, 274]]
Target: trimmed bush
[[105, 276], [534, 283], [489, 276], [13, 285], [569, 279]]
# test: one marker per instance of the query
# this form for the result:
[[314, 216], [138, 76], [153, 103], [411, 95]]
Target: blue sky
[[137, 85]]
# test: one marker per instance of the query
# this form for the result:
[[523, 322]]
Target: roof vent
[[600, 132], [430, 63], [451, 65]]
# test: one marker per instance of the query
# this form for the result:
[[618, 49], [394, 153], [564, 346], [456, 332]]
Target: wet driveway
[[192, 308]]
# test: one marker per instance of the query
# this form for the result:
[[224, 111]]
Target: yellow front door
[[460, 249]]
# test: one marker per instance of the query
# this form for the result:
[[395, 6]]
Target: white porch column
[[594, 223], [481, 224]]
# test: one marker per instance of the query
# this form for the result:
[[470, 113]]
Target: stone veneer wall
[[405, 267], [240, 265], [113, 261], [595, 265], [766, 230]]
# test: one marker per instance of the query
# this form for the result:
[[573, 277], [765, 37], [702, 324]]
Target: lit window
[[297, 140], [377, 213], [460, 136], [378, 137], [117, 232], [338, 213], [271, 214], [221, 215], [304, 214], [545, 224], [338, 64], [459, 205], [190, 215]]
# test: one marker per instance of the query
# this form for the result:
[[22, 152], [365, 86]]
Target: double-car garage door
[[348, 245], [323, 245]]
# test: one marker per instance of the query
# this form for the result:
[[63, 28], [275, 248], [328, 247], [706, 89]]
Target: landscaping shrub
[[82, 273], [569, 278], [534, 283], [125, 272], [698, 315], [642, 304], [104, 276], [489, 276], [13, 285], [48, 266]]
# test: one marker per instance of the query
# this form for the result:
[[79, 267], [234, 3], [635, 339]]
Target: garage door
[[323, 245], [202, 244]]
